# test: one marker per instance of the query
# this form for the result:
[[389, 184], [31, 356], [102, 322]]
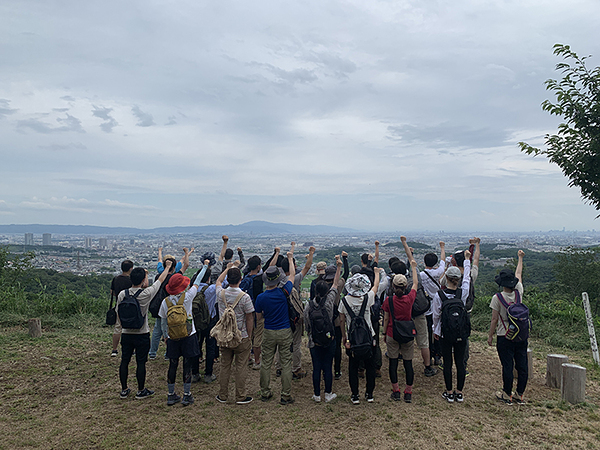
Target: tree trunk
[[35, 328], [554, 370], [573, 383]]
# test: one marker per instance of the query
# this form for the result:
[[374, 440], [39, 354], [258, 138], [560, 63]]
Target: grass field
[[61, 391]]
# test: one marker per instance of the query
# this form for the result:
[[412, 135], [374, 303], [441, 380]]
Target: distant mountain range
[[253, 227]]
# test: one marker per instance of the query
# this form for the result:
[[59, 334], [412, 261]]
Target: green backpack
[[200, 311]]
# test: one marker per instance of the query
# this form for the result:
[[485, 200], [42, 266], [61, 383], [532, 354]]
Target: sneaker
[[437, 361], [145, 393], [504, 397], [256, 366], [449, 396], [396, 396], [316, 398], [166, 357], [458, 397], [188, 399], [245, 401], [288, 401], [330, 396], [220, 400], [378, 373], [430, 371], [518, 399], [266, 398], [298, 374], [172, 399], [114, 353], [467, 373], [407, 397], [151, 357], [338, 375], [209, 378], [196, 377], [355, 399], [369, 397], [125, 393], [278, 372]]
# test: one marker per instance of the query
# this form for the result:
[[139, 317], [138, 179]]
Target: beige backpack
[[226, 331]]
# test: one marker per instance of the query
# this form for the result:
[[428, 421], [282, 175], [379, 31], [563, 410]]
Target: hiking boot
[[245, 401], [369, 397], [209, 378], [430, 371], [125, 393], [172, 399], [196, 378], [449, 396], [145, 393], [338, 375], [330, 396], [188, 399], [278, 373], [316, 398], [286, 401], [504, 397], [407, 397], [458, 397], [114, 353], [518, 399], [266, 398], [256, 366], [298, 374], [378, 373], [396, 396], [355, 399], [220, 400]]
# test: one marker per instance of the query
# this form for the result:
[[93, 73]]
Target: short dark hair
[[137, 276], [280, 258], [254, 262], [459, 257], [364, 258], [285, 265], [228, 254], [126, 265], [392, 260], [234, 275], [321, 289], [398, 267], [430, 259]]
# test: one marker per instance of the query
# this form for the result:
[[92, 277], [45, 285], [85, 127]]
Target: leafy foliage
[[576, 146]]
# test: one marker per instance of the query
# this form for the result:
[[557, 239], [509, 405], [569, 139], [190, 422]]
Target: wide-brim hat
[[177, 284], [273, 276], [358, 285], [330, 273], [506, 278]]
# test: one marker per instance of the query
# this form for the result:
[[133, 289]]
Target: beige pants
[[240, 354]]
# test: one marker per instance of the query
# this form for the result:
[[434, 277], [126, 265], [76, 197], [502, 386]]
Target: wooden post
[[35, 328], [529, 366], [573, 383], [554, 370]]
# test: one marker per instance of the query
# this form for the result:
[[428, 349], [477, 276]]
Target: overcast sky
[[376, 115]]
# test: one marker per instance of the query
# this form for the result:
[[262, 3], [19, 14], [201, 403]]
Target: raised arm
[[415, 279], [376, 259], [185, 261], [222, 254], [346, 267], [159, 254], [200, 275], [163, 275], [221, 278], [338, 271], [375, 287], [309, 261], [241, 256], [292, 276], [407, 250], [476, 241], [519, 271], [443, 251], [275, 257]]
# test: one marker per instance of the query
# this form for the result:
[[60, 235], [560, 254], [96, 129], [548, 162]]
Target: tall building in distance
[[47, 239], [103, 243], [88, 242], [28, 238]]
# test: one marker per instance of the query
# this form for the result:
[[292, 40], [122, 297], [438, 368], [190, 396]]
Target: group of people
[[247, 314]]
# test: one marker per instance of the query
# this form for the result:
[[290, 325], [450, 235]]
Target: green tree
[[576, 146], [577, 270]]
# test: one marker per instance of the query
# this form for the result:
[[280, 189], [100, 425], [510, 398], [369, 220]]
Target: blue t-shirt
[[273, 305]]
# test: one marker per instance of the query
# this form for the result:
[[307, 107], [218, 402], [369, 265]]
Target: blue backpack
[[130, 313], [519, 323]]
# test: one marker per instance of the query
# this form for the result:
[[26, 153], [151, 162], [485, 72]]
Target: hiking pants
[[377, 351], [434, 346], [337, 359], [276, 340], [211, 350], [459, 360], [322, 358], [240, 354], [296, 348], [141, 344], [353, 364], [513, 354]]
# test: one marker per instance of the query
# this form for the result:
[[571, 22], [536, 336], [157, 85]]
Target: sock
[[395, 387], [408, 389], [187, 387], [171, 388]]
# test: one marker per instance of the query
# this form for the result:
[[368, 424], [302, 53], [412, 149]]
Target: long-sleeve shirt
[[436, 303]]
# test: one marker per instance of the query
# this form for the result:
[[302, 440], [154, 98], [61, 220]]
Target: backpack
[[403, 330], [456, 325], [177, 319], [200, 311], [111, 314], [130, 313], [321, 325], [226, 331], [156, 301], [359, 334], [294, 307], [470, 301], [519, 323], [422, 301]]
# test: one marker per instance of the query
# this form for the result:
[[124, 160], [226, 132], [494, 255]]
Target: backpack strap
[[181, 299], [348, 309], [517, 297], [503, 300], [237, 299], [442, 295], [363, 307], [391, 305], [432, 279]]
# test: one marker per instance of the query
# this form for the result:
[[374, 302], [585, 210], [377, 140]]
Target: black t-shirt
[[120, 283]]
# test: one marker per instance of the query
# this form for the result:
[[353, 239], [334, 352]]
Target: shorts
[[394, 348], [422, 338], [257, 333], [118, 329], [187, 347]]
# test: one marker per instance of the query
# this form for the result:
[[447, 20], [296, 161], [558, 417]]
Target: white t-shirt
[[355, 303], [187, 304], [495, 304]]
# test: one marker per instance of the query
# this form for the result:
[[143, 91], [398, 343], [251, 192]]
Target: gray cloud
[[70, 123], [104, 114], [448, 135], [63, 147], [171, 120], [4, 108], [144, 119]]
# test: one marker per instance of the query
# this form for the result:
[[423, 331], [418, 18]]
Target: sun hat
[[400, 280], [330, 273], [273, 276], [177, 284], [453, 272], [358, 285], [506, 278]]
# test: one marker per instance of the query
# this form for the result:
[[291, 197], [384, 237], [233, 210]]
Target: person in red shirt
[[403, 304]]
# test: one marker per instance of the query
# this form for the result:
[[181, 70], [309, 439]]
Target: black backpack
[[470, 301], [130, 313], [200, 311], [321, 325], [403, 330], [456, 325], [359, 334], [156, 301]]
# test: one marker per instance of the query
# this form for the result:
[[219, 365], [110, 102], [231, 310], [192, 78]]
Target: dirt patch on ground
[[62, 391]]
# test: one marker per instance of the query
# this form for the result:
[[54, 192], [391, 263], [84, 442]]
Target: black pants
[[513, 354], [459, 360], [369, 364], [211, 350], [141, 344], [434, 346], [337, 357]]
